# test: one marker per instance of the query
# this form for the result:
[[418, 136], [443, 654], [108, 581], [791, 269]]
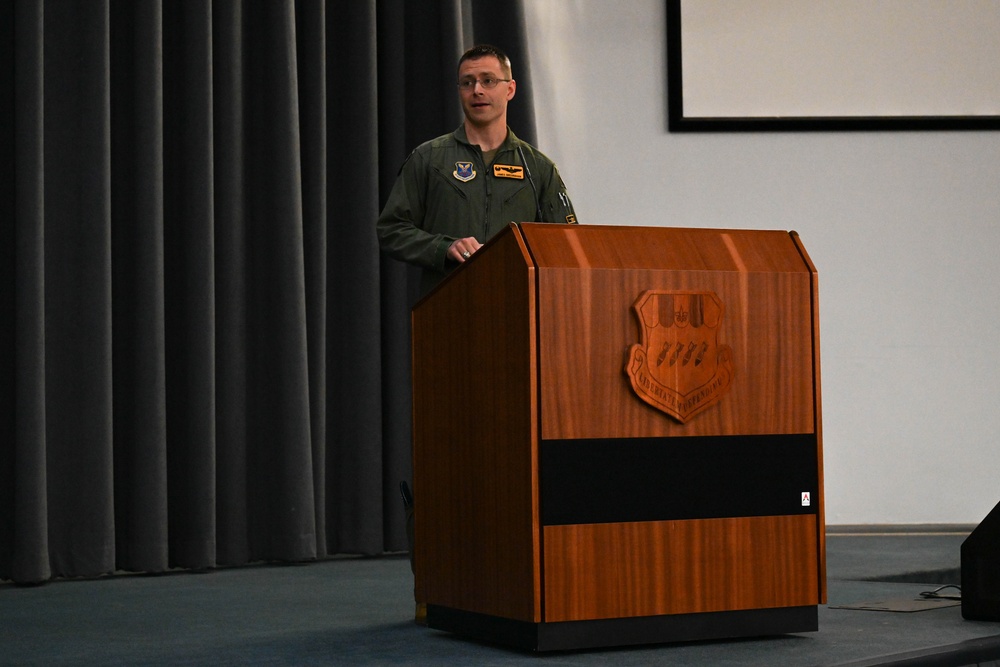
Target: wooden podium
[[617, 438]]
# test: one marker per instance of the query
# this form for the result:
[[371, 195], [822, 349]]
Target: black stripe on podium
[[662, 479]]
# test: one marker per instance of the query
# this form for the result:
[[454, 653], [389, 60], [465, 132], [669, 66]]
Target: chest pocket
[[450, 182], [518, 202], [453, 207]]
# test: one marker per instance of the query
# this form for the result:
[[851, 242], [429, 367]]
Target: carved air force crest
[[680, 367]]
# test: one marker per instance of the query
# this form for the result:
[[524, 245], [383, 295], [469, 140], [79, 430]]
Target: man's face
[[481, 105]]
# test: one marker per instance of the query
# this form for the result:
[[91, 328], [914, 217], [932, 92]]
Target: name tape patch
[[508, 171]]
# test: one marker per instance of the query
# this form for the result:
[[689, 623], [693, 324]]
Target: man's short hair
[[485, 51]]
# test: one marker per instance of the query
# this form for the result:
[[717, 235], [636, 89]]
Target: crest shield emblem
[[680, 367], [464, 171]]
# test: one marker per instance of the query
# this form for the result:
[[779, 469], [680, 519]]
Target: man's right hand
[[462, 249]]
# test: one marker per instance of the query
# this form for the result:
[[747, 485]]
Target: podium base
[[572, 635]]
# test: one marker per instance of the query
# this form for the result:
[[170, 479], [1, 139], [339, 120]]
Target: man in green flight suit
[[454, 192]]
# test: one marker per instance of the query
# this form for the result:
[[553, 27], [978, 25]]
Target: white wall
[[904, 229]]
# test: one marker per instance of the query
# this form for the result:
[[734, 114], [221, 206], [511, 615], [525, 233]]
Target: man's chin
[[483, 114]]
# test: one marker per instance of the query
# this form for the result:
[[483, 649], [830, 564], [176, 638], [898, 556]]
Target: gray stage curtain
[[204, 359]]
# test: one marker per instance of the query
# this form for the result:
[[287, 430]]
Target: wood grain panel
[[679, 249], [589, 280], [475, 437], [623, 570], [818, 402], [587, 325]]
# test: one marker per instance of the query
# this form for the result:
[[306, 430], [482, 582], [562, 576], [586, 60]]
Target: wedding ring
[[466, 254]]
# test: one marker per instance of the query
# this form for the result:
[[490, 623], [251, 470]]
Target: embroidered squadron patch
[[508, 171], [464, 171], [680, 367]]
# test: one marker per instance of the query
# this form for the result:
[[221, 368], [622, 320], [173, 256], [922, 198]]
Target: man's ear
[[511, 89]]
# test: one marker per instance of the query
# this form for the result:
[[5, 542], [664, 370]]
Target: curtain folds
[[204, 360]]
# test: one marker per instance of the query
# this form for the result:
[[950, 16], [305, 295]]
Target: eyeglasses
[[488, 83]]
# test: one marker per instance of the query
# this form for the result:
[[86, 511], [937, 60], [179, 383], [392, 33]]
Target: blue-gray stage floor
[[358, 611]]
